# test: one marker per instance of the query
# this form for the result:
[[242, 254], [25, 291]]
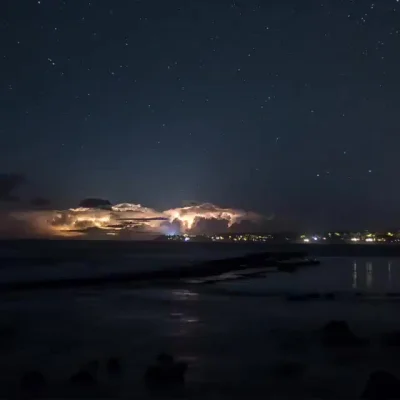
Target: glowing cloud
[[125, 219], [189, 216]]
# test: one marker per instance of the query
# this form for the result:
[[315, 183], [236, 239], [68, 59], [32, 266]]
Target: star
[[218, 87]]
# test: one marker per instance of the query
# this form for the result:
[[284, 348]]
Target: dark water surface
[[234, 335], [335, 274]]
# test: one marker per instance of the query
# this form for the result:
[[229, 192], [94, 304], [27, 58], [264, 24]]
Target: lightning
[[126, 219], [188, 216]]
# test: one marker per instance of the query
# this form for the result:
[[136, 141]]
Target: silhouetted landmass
[[165, 372], [57, 250], [203, 269], [338, 334], [382, 385]]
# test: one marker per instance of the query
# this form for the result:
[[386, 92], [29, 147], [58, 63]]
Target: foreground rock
[[338, 334], [33, 382], [303, 297], [82, 378], [113, 366], [391, 339], [290, 341], [289, 370], [92, 367], [166, 372], [7, 332], [382, 385]]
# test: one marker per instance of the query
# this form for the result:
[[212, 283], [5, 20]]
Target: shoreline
[[103, 248]]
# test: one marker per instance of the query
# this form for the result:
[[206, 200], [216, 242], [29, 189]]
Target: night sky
[[280, 107]]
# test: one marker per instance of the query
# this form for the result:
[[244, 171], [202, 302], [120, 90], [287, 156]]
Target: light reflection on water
[[222, 337], [369, 278], [184, 295], [333, 274], [354, 275]]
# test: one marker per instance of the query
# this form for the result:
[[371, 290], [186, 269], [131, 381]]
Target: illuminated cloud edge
[[125, 220]]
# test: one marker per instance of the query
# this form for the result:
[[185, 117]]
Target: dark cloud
[[249, 226], [14, 227], [9, 183], [143, 219], [91, 230], [190, 203], [40, 202], [210, 226], [95, 203]]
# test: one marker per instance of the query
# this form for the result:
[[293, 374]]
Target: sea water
[[234, 335]]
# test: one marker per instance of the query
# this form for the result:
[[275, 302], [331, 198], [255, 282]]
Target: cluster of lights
[[345, 237], [223, 238], [250, 238], [182, 238], [357, 237], [313, 238], [216, 238]]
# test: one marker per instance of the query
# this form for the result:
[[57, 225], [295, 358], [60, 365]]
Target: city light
[[307, 239]]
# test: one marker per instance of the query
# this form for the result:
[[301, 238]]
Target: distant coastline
[[115, 247]]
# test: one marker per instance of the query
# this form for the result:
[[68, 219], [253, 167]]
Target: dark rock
[[289, 370], [82, 378], [33, 382], [113, 366], [292, 341], [391, 339], [303, 297], [288, 268], [381, 385], [165, 372], [92, 367], [338, 334], [7, 332], [180, 369], [165, 358], [297, 297]]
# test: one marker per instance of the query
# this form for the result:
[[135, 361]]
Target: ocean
[[237, 336]]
